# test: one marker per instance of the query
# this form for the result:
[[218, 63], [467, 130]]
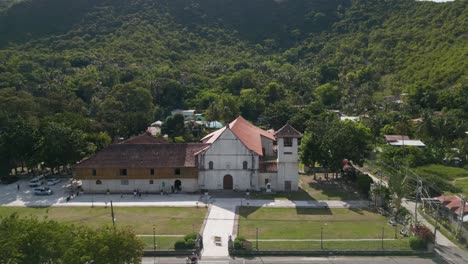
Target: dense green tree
[[127, 110], [19, 142], [28, 240], [174, 126], [61, 145]]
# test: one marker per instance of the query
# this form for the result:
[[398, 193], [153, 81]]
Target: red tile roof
[[144, 139], [169, 155], [453, 203], [394, 138], [247, 133]]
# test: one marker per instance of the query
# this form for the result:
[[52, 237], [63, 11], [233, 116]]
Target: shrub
[[182, 244], [417, 243], [191, 236], [187, 243], [364, 183], [239, 243], [423, 233]]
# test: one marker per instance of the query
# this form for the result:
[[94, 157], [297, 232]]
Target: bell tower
[[287, 138]]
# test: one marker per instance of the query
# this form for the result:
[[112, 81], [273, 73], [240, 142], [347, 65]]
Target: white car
[[36, 182], [42, 191], [53, 181]]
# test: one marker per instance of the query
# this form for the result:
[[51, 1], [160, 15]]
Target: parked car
[[42, 191], [392, 221], [53, 181], [404, 232], [36, 182]]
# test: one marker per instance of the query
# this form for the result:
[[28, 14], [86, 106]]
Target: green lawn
[[462, 184], [457, 177], [164, 243], [316, 190], [399, 244], [166, 220], [445, 172], [306, 223]]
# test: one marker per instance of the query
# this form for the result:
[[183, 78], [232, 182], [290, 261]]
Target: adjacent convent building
[[239, 156]]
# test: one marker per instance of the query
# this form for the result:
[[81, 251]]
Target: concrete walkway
[[220, 224]]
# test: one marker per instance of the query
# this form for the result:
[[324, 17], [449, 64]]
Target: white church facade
[[239, 156]]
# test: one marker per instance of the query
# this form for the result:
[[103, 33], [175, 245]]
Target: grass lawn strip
[[306, 223], [162, 242], [399, 244], [166, 220]]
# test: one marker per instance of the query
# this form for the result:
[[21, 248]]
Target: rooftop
[[287, 131], [247, 133], [168, 155]]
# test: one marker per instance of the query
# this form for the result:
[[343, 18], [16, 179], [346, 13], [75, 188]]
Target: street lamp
[[321, 237]]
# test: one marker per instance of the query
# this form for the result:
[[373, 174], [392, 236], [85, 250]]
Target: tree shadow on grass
[[245, 211], [334, 188], [313, 211]]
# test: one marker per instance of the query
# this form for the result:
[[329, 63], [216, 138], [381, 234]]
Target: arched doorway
[[227, 182], [177, 185]]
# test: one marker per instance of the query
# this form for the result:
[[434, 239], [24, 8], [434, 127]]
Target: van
[[37, 181]]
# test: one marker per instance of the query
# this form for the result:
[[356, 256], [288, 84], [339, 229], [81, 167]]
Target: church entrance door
[[227, 182]]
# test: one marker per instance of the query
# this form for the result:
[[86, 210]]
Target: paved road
[[444, 247], [303, 260]]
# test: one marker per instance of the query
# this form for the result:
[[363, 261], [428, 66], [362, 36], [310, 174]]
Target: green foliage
[[364, 182], [120, 65], [331, 142], [417, 243], [27, 240], [239, 242], [187, 243]]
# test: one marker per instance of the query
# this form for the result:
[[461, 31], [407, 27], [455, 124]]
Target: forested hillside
[[102, 69]]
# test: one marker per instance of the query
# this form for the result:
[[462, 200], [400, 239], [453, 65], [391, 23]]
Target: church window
[[123, 172], [287, 142], [94, 172], [124, 182], [151, 171], [151, 182], [177, 171], [245, 164], [98, 182], [210, 165]]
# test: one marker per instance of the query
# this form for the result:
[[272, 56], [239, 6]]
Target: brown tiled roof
[[144, 138], [394, 138], [170, 155], [247, 133], [287, 131], [453, 203]]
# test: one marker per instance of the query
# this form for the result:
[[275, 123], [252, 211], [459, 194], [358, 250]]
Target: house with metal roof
[[239, 156]]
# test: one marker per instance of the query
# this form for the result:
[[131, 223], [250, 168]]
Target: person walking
[[17, 187]]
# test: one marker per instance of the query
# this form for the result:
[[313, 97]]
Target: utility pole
[[112, 214], [436, 226], [418, 190], [460, 215]]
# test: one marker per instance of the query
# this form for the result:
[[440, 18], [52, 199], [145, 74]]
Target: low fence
[[237, 252]]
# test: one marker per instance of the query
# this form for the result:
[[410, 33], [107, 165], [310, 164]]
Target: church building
[[239, 156]]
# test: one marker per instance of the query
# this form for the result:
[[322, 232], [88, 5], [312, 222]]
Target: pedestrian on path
[[18, 187]]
